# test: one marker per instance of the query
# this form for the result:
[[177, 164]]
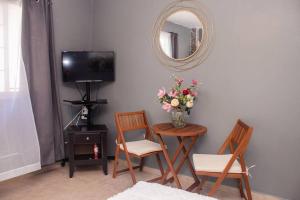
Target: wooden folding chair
[[130, 121], [227, 165]]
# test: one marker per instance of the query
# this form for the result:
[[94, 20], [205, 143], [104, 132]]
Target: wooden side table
[[189, 132], [94, 134]]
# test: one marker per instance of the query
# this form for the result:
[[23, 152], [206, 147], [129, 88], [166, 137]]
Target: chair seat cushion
[[215, 163], [141, 147]]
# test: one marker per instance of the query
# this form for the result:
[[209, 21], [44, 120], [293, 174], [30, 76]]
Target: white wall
[[252, 73]]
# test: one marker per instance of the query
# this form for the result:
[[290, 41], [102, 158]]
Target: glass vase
[[179, 118]]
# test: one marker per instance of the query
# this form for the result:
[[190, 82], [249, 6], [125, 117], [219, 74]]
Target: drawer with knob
[[86, 138]]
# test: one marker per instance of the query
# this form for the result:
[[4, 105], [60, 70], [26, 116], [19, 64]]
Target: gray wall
[[252, 73], [184, 38], [73, 22]]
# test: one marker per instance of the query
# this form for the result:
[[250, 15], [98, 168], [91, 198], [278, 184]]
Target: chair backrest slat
[[130, 121], [239, 133], [238, 139]]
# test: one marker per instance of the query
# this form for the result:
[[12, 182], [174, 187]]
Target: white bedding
[[153, 191]]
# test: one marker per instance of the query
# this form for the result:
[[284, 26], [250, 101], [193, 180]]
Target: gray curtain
[[193, 41], [174, 44], [39, 59]]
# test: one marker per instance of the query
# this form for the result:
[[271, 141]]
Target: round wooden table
[[189, 132]]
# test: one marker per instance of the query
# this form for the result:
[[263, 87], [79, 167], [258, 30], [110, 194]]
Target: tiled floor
[[88, 183]]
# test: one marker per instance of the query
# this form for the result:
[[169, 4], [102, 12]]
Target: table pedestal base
[[185, 158]]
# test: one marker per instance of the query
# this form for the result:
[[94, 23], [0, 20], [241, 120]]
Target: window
[[166, 43], [10, 51]]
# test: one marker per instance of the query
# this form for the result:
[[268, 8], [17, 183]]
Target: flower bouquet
[[179, 101]]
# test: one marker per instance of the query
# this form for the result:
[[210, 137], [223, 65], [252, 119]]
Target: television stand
[[87, 102], [83, 135]]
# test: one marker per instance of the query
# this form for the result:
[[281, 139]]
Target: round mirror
[[181, 35]]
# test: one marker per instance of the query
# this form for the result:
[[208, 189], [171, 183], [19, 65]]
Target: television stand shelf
[[87, 103]]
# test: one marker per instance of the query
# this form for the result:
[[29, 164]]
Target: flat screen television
[[88, 66]]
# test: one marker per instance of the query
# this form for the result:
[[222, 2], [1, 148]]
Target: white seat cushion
[[215, 163], [141, 147]]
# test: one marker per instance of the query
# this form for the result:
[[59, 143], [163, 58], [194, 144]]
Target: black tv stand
[[87, 101]]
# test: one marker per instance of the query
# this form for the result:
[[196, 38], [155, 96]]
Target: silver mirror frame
[[207, 38]]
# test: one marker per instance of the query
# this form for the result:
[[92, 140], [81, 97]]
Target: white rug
[[153, 191]]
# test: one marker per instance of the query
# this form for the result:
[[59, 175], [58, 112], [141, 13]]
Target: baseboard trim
[[19, 171]]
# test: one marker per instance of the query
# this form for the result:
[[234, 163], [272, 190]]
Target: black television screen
[[85, 66]]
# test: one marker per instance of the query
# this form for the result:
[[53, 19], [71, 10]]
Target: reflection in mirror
[[181, 34]]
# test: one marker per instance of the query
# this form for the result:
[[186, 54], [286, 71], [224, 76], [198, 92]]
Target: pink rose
[[173, 93], [179, 81], [194, 94], [166, 106], [161, 93], [194, 82]]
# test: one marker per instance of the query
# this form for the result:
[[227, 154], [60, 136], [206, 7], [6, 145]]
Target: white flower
[[189, 104], [190, 97], [175, 102]]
